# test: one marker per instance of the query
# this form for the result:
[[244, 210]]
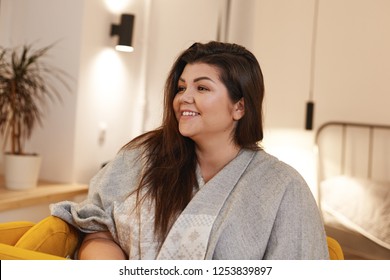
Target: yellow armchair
[[50, 239], [54, 239], [335, 250]]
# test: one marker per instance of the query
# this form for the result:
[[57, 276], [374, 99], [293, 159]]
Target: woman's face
[[202, 105]]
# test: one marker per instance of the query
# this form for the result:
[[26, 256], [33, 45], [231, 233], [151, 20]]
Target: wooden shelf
[[45, 192]]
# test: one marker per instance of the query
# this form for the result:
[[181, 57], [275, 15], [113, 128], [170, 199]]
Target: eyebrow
[[199, 79]]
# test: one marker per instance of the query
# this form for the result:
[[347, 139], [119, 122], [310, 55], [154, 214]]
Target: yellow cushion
[[11, 232], [51, 236], [8, 252], [335, 251]]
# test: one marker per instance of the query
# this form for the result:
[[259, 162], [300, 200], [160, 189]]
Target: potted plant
[[26, 84]]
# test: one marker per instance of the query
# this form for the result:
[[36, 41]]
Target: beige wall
[[352, 62], [352, 66]]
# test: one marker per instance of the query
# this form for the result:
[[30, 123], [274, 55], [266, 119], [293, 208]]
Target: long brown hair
[[170, 160]]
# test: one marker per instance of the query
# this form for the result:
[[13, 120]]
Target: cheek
[[220, 109], [176, 105]]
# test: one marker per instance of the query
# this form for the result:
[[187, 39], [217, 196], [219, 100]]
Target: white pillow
[[361, 204]]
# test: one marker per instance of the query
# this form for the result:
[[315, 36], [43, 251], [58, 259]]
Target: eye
[[181, 89], [202, 88]]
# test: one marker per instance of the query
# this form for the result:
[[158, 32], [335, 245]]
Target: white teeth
[[189, 114]]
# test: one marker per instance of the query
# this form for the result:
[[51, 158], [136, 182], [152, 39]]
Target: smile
[[187, 113]]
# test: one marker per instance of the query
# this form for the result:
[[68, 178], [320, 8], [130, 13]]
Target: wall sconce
[[125, 32]]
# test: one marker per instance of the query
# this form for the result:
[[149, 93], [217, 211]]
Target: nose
[[187, 96]]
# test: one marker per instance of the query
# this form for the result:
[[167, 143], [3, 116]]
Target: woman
[[200, 186]]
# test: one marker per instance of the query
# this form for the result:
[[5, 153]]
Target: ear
[[239, 109]]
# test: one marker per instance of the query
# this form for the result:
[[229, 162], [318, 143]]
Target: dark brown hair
[[169, 174]]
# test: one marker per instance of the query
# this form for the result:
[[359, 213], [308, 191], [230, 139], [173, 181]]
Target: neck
[[213, 158]]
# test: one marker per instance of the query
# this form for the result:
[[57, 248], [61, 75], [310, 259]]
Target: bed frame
[[356, 149]]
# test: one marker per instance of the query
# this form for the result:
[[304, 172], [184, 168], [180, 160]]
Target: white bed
[[354, 187]]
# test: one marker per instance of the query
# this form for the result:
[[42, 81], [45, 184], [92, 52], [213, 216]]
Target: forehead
[[195, 70]]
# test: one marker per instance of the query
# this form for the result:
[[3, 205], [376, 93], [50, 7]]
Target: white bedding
[[359, 204]]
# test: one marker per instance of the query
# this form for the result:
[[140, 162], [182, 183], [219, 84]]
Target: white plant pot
[[21, 171]]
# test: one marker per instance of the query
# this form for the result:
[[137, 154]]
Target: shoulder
[[118, 174], [277, 182], [272, 182], [128, 157], [266, 168]]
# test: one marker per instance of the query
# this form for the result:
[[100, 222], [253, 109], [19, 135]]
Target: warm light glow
[[117, 6], [123, 48], [107, 73]]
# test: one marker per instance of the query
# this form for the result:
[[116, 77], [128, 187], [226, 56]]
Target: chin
[[186, 133]]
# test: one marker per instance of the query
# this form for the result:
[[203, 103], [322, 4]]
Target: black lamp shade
[[309, 115], [125, 32]]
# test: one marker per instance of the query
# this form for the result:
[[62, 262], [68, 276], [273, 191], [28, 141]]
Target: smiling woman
[[200, 186], [207, 115]]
